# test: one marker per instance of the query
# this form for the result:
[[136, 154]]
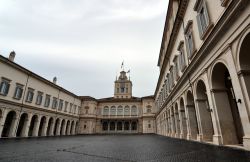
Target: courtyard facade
[[203, 89]]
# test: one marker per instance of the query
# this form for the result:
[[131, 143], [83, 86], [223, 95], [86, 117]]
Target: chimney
[[54, 80], [12, 56]]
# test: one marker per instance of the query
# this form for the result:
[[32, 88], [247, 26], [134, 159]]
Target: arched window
[[127, 110], [120, 110], [86, 109], [113, 110], [106, 110], [134, 110]]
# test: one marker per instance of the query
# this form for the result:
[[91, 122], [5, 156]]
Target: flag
[[122, 64]]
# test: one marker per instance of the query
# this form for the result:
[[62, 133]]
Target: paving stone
[[116, 148]]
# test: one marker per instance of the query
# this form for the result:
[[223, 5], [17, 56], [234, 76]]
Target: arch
[[62, 129], [33, 123], [183, 118], [56, 127], [9, 123], [244, 65], [23, 124], [191, 116], [226, 105], [207, 129], [50, 128]]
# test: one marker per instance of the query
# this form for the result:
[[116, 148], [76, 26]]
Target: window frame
[[39, 98], [31, 92], [47, 101], [4, 92], [19, 95]]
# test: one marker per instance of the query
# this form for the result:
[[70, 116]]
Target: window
[[134, 110], [30, 94], [202, 17], [60, 104], [70, 108], [176, 68], [47, 101], [106, 110], [119, 110], [126, 90], [171, 78], [39, 98], [18, 92], [74, 110], [4, 87], [126, 110], [117, 90], [113, 110], [86, 109], [168, 84], [66, 106], [122, 90], [54, 103], [182, 60], [149, 125]]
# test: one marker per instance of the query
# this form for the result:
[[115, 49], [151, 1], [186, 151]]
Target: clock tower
[[123, 86]]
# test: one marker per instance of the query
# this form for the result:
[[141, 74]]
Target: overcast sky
[[83, 42]]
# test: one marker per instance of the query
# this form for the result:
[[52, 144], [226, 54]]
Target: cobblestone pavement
[[115, 148]]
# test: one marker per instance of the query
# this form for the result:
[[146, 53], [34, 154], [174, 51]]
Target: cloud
[[84, 41]]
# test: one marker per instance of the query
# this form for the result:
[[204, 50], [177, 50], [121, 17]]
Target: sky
[[84, 42]]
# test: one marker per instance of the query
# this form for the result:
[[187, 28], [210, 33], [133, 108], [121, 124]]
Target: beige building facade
[[203, 90], [202, 94], [31, 106]]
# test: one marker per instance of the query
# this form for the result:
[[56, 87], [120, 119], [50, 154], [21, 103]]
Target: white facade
[[203, 91]]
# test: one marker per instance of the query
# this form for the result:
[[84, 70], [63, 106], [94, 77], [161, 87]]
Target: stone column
[[26, 126], [177, 125], [58, 129], [51, 131], [14, 126], [64, 128], [192, 126], [172, 125], [36, 127], [45, 127], [68, 131], [74, 129]]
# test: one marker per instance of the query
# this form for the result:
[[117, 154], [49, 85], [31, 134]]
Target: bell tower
[[123, 86]]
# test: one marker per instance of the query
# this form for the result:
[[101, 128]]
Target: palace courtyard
[[116, 148]]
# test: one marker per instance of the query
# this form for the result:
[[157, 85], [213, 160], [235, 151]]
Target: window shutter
[[199, 25]]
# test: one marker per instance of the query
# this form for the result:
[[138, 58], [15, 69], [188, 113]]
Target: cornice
[[176, 27]]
